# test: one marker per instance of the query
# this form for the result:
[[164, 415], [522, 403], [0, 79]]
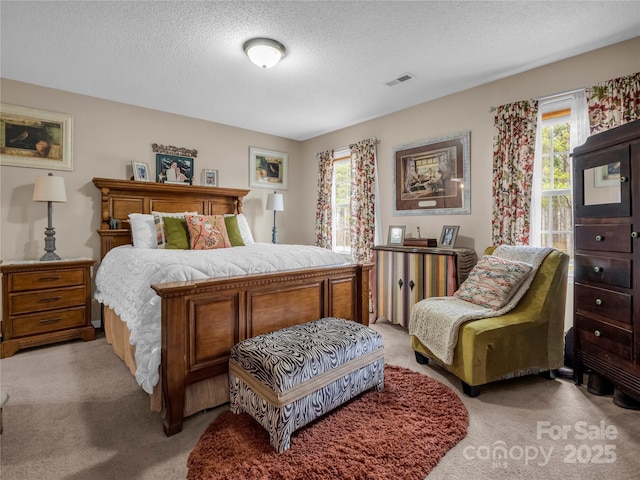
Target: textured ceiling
[[187, 58]]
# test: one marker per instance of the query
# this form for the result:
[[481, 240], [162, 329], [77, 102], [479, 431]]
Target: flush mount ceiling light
[[264, 52]]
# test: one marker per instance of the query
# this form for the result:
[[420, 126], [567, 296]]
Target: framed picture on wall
[[268, 169], [174, 169], [432, 176], [35, 138]]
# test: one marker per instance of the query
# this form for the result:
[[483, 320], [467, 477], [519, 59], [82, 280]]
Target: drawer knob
[[597, 269], [635, 234], [597, 333], [624, 179], [400, 283], [599, 238], [598, 301]]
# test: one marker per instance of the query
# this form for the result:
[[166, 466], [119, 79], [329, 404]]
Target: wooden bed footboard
[[202, 320]]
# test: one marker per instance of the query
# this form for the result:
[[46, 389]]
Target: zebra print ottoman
[[288, 378]]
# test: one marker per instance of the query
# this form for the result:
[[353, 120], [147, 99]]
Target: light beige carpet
[[76, 413]]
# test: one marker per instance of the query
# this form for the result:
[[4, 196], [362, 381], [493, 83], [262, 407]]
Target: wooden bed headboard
[[122, 197]]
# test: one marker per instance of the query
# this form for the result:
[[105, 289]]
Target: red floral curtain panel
[[614, 103], [363, 199], [513, 154], [323, 206]]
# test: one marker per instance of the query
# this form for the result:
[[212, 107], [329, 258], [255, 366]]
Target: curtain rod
[[547, 97], [375, 140]]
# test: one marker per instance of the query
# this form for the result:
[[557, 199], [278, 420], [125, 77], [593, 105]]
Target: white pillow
[[143, 230], [160, 234], [243, 226]]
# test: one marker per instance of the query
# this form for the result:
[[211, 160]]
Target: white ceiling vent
[[402, 78]]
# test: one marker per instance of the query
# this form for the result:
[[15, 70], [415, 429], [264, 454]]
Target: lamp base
[[49, 256]]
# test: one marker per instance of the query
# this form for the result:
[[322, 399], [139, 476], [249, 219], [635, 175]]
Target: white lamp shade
[[264, 52], [275, 201], [49, 189]]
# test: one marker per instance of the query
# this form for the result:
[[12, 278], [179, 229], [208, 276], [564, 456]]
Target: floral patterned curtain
[[323, 206], [513, 154], [614, 103], [363, 199]]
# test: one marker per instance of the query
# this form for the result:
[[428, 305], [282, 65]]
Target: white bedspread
[[125, 276]]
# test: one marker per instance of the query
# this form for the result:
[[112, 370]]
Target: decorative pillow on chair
[[207, 232], [493, 281]]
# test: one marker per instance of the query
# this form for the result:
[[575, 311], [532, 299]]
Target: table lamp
[[49, 189], [275, 202]]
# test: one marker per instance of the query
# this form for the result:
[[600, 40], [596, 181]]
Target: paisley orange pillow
[[207, 232]]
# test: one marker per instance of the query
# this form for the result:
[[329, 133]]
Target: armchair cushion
[[493, 281]]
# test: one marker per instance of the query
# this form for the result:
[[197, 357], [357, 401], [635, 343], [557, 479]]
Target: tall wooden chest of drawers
[[607, 257], [45, 302]]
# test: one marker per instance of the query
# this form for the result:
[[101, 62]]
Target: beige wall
[[466, 111], [108, 135]]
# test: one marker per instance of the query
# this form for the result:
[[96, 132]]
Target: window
[[556, 217], [563, 124], [340, 201]]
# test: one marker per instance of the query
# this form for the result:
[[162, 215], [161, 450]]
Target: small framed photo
[[448, 236], [174, 169], [140, 171], [268, 169], [209, 178], [396, 235]]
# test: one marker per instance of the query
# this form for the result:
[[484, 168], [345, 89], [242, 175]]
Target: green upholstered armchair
[[528, 339]]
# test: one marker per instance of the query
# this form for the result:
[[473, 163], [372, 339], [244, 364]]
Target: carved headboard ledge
[[122, 197]]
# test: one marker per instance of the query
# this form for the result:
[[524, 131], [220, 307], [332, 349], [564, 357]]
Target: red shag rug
[[400, 433]]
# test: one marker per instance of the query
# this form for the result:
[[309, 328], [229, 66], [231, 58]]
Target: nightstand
[[45, 302]]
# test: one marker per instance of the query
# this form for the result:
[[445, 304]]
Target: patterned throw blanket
[[436, 321]]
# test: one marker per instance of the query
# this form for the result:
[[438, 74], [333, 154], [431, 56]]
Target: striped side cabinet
[[406, 275]]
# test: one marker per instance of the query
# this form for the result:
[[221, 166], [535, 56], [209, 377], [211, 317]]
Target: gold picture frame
[[35, 138]]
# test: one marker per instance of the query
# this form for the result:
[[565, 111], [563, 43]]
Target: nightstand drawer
[[46, 279], [604, 335], [600, 301], [46, 300], [48, 322]]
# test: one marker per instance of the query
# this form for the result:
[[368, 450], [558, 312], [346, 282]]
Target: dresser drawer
[[607, 303], [46, 279], [607, 270], [604, 237], [604, 335], [54, 320], [46, 300]]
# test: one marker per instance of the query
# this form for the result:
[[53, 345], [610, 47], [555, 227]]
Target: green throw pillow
[[177, 233], [233, 231]]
